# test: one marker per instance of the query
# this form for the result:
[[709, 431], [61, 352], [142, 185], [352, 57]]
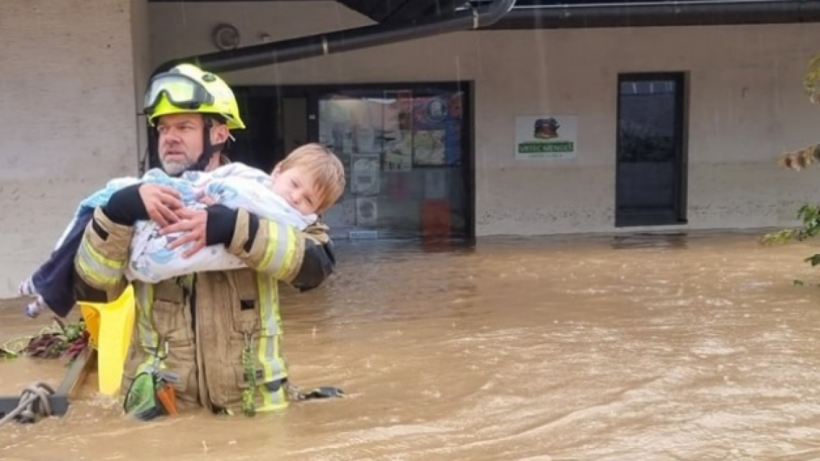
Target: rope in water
[[33, 404]]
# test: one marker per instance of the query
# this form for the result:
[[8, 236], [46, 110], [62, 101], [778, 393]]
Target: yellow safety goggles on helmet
[[188, 89], [182, 91]]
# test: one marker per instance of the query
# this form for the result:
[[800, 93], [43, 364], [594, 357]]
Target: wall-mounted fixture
[[225, 37]]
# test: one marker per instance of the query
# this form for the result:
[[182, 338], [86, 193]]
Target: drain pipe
[[346, 40], [660, 13]]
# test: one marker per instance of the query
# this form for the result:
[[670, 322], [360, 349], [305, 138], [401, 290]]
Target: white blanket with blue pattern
[[234, 185]]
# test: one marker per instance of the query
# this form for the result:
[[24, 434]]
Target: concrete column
[[68, 116]]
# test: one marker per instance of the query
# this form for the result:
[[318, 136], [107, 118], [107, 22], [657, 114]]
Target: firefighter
[[212, 338]]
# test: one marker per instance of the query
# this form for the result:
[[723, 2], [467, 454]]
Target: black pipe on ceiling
[[346, 40], [659, 13]]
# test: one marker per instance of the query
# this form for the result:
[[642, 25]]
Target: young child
[[307, 182]]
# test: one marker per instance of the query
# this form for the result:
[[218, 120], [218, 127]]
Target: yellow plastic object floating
[[110, 326]]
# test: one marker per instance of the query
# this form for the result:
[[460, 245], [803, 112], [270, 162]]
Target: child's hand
[[207, 200]]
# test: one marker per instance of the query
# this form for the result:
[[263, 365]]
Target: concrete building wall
[[68, 117], [745, 105]]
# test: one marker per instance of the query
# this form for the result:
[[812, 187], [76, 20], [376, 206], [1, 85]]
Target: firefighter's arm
[[303, 259], [103, 251]]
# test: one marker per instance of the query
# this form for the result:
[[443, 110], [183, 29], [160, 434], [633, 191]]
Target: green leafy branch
[[808, 214]]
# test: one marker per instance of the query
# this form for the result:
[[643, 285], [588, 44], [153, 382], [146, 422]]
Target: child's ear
[[277, 170]]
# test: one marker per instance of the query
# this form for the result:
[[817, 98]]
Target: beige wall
[[67, 122], [745, 105]]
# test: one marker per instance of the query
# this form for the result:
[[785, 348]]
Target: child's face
[[297, 187]]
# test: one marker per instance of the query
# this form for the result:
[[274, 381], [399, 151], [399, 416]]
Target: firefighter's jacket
[[204, 330]]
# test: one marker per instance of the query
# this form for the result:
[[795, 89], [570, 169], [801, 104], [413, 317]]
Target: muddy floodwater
[[681, 347]]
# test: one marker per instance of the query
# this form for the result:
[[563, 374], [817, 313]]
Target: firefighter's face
[[181, 141]]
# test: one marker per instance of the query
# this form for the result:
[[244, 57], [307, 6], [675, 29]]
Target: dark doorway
[[651, 153], [275, 122]]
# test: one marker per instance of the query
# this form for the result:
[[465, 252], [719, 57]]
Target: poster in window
[[335, 129], [437, 130], [366, 141], [398, 152], [364, 174], [366, 211], [341, 216], [397, 133]]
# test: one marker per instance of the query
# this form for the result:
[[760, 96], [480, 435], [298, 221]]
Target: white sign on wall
[[545, 137]]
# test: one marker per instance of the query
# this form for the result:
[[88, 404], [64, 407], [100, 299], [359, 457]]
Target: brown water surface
[[694, 347]]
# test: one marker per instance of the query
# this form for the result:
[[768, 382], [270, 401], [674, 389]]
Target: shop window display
[[403, 154]]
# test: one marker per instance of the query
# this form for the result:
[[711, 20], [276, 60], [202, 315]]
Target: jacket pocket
[[246, 312]]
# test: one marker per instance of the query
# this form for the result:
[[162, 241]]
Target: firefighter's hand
[[318, 232], [192, 226], [161, 202], [128, 205], [211, 226]]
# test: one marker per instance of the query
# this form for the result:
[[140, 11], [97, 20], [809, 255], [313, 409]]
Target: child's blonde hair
[[325, 167]]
